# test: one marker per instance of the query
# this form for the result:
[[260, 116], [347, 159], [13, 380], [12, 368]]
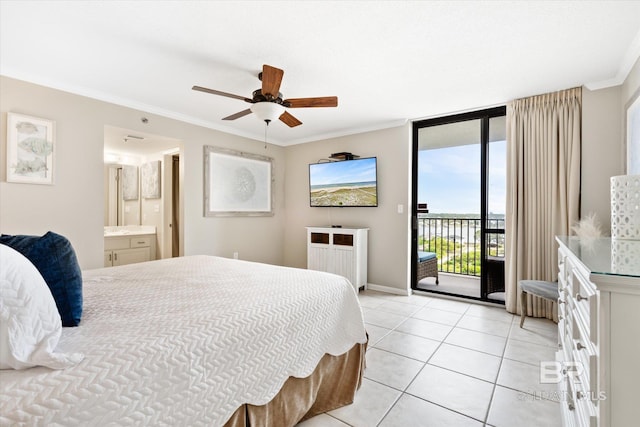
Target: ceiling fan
[[267, 101]]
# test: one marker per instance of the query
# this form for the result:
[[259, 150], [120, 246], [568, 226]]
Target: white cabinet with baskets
[[341, 251]]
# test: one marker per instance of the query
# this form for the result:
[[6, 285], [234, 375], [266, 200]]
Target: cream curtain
[[543, 190]]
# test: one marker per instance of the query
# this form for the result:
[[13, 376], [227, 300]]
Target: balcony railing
[[456, 241]]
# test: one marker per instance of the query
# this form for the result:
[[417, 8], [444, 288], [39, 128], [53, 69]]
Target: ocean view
[[343, 185]]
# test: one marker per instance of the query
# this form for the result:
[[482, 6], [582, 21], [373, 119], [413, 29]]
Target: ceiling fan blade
[[238, 115], [217, 92], [325, 101], [271, 79], [289, 120]]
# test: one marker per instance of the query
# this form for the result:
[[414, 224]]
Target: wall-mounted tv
[[346, 183]]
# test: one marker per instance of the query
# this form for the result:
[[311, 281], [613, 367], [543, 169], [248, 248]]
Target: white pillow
[[30, 325]]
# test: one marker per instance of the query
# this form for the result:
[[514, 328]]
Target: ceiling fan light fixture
[[267, 111], [268, 104]]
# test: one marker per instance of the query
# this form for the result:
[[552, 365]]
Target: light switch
[[400, 208]]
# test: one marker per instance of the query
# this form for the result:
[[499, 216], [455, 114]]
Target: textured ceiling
[[387, 62]]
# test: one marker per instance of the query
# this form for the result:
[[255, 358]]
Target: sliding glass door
[[459, 204]]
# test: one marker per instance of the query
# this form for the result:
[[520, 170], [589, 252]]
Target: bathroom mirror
[[122, 195]]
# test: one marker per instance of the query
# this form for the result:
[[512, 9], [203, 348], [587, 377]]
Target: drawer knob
[[579, 346], [580, 395], [571, 406], [560, 301], [580, 297]]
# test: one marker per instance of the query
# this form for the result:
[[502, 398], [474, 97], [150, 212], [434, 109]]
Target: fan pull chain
[[266, 126]]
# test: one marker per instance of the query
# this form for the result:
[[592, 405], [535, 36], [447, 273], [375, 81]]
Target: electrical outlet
[[235, 255]]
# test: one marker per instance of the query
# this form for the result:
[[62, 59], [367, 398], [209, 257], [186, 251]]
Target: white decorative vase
[[625, 256], [625, 207]]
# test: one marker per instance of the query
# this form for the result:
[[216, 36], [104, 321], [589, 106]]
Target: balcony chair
[[539, 288], [427, 265]]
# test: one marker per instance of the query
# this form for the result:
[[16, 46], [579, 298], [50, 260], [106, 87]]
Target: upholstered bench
[[427, 265], [539, 288]]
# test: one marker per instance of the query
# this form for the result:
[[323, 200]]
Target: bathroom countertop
[[129, 230]]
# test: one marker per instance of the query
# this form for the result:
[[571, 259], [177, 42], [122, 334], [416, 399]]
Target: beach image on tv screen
[[346, 183]]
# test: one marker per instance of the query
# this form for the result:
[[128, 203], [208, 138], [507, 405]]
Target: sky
[[449, 179], [360, 170]]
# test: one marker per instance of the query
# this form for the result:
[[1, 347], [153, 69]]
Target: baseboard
[[457, 298], [388, 289]]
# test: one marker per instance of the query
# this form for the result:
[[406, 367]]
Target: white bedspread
[[186, 341]]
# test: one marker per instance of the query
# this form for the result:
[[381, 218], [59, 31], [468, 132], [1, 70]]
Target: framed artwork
[[237, 183], [30, 149], [129, 182], [151, 180], [633, 135]]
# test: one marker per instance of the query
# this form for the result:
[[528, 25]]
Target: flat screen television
[[342, 184]]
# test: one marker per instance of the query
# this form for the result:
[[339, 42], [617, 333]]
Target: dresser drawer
[[114, 243], [586, 359], [140, 242], [566, 284], [567, 405], [586, 304], [566, 340], [586, 412], [561, 265]]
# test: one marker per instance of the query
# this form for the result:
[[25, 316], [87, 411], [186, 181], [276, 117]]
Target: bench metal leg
[[523, 307]]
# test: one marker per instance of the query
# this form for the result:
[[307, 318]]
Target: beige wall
[[602, 133], [74, 206], [388, 234], [34, 209], [630, 91], [601, 151], [631, 84], [603, 136]]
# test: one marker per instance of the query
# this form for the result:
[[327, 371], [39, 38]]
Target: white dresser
[[599, 331], [341, 251]]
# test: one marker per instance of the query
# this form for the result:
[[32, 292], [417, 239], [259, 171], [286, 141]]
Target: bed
[[198, 340]]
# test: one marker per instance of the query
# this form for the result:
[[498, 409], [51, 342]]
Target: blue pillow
[[55, 259]]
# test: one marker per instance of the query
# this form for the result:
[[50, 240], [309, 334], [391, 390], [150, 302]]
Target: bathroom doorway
[[129, 156]]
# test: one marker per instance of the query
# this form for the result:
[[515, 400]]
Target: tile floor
[[439, 362]]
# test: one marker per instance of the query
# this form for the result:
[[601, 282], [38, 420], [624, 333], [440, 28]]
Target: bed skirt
[[332, 384]]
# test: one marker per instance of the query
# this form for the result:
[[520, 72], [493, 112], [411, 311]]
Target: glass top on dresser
[[605, 255]]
